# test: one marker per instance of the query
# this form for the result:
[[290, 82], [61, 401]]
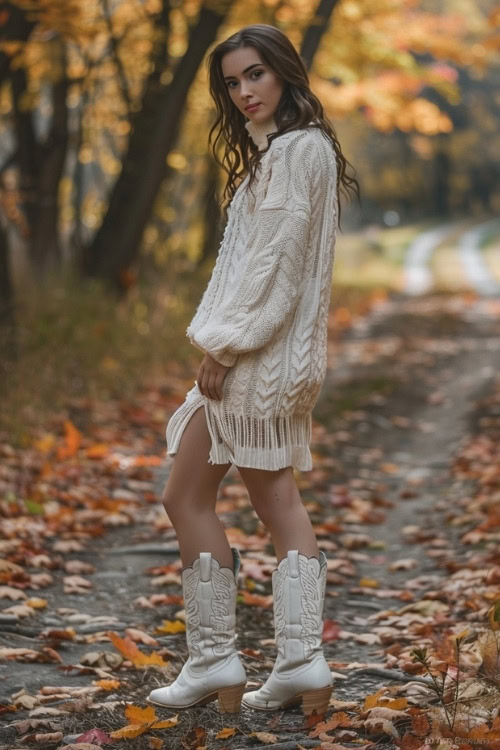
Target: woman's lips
[[253, 108]]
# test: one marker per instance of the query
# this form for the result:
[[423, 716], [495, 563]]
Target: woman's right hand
[[211, 377]]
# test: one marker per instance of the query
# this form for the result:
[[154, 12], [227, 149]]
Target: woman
[[262, 326]]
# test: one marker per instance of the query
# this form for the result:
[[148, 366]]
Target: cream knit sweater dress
[[264, 311]]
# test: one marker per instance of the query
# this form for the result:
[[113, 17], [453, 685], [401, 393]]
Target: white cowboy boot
[[300, 672], [213, 669]]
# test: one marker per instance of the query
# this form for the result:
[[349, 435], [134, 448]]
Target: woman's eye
[[258, 73]]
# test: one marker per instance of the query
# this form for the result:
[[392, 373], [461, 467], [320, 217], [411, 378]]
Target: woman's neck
[[259, 131]]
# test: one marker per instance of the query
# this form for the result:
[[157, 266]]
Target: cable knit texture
[[264, 311]]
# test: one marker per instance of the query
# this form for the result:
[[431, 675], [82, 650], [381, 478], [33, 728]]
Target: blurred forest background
[[110, 222]]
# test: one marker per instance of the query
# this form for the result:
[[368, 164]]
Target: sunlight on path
[[419, 277], [462, 264], [476, 269]]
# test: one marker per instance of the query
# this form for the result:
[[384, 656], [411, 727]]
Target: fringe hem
[[258, 443]]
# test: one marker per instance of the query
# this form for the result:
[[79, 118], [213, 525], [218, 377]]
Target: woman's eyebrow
[[243, 71]]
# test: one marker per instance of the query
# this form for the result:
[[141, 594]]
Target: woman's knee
[[189, 495], [272, 493]]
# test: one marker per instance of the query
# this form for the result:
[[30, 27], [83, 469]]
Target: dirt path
[[426, 364], [399, 399]]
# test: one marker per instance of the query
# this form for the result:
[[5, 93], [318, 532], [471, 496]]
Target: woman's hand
[[211, 377]]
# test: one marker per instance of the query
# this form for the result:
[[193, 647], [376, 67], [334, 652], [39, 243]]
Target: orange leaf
[[73, 438], [342, 315], [165, 724], [138, 715], [148, 460], [339, 719], [97, 450], [107, 684], [128, 648], [226, 732], [130, 731], [396, 704]]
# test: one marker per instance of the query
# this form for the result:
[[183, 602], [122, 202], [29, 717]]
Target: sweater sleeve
[[269, 288]]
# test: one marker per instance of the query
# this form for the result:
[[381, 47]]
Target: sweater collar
[[259, 131]]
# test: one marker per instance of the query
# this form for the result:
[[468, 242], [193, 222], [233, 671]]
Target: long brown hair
[[297, 107]]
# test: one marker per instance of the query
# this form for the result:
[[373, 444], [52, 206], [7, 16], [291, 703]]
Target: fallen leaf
[[9, 592], [128, 648]]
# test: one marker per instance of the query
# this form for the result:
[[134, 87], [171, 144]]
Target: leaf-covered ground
[[405, 500]]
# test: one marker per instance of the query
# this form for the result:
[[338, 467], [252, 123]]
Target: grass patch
[[75, 340]]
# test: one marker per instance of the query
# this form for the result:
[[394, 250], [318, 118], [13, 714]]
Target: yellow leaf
[[171, 626], [45, 444], [36, 603], [372, 700], [138, 715], [143, 660], [369, 582]]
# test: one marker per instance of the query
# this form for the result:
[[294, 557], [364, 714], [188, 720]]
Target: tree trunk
[[441, 180], [116, 244], [315, 31], [45, 243], [40, 169], [7, 313]]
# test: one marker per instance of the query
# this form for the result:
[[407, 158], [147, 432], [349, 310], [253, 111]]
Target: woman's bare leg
[[276, 500], [190, 495]]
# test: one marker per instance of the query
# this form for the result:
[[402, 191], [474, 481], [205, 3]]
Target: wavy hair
[[297, 107]]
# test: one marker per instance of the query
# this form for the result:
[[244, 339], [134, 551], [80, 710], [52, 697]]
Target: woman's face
[[250, 81]]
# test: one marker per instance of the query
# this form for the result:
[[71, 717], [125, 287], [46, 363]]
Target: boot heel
[[316, 700], [230, 698]]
